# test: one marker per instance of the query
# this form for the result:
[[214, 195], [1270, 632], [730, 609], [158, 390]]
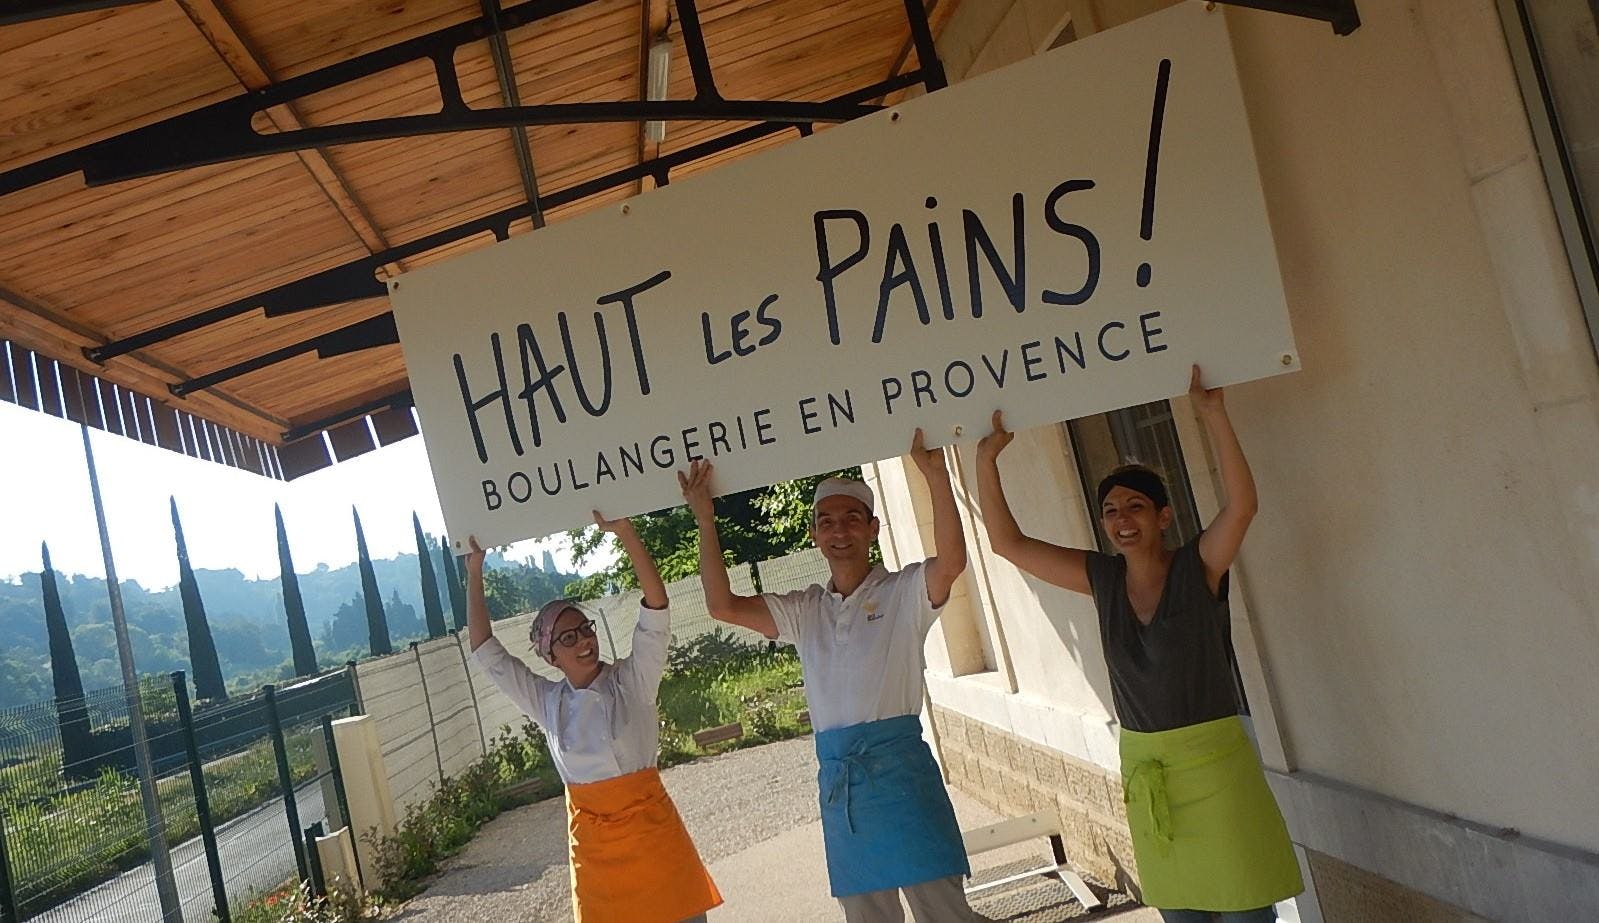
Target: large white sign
[[1058, 238]]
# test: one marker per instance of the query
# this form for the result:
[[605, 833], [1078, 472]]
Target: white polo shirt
[[862, 655], [607, 730]]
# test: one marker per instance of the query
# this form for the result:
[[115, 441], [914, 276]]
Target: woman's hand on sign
[[696, 484], [989, 447], [614, 526], [929, 461], [1206, 401], [474, 557]]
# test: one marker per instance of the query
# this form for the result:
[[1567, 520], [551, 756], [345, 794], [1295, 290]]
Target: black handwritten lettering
[[999, 376], [1013, 281], [949, 378], [1090, 243], [828, 270], [625, 298], [545, 382], [1150, 346], [501, 394], [767, 320], [491, 497], [889, 398], [844, 409], [712, 357], [898, 252], [1116, 357], [594, 410], [763, 426], [717, 430], [1063, 351]]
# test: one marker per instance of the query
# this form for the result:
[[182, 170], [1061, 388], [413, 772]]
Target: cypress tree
[[203, 662], [453, 582], [294, 605], [377, 626], [72, 715], [432, 611]]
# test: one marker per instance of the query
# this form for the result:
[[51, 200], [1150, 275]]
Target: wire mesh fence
[[78, 846], [75, 834]]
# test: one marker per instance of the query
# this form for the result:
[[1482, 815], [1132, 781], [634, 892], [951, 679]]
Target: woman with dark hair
[[1207, 834], [632, 859]]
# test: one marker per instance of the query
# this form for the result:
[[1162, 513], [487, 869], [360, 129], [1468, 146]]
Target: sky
[[227, 513]]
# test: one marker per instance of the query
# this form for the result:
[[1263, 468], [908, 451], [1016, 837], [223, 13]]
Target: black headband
[[1142, 480]]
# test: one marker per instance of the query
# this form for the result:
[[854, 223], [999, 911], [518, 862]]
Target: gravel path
[[753, 815], [515, 868]]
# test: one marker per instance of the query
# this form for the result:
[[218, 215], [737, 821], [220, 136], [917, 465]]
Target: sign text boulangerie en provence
[[1058, 238]]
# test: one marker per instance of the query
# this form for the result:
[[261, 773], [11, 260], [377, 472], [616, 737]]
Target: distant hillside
[[246, 618]]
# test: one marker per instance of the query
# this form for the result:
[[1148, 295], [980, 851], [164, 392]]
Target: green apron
[[1207, 833]]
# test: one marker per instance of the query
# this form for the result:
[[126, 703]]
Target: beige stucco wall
[[1424, 575], [1418, 602]]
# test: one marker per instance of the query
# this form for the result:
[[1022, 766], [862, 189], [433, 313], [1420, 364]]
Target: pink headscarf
[[543, 628]]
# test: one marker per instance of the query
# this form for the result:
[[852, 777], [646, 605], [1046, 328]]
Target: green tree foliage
[[454, 580], [754, 525], [294, 605], [206, 668], [160, 641], [432, 611], [377, 626], [72, 716]]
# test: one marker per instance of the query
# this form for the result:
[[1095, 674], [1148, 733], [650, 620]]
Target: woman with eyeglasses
[[1207, 835], [632, 859]]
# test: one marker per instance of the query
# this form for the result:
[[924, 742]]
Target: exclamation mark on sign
[[1146, 228]]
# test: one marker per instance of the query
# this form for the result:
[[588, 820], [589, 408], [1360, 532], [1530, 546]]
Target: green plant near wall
[[439, 827]]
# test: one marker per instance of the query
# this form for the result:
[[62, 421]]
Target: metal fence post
[[285, 778], [202, 802], [433, 727], [8, 896], [359, 708], [471, 690], [318, 880], [340, 800]]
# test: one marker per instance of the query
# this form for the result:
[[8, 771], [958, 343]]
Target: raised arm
[[1218, 547], [1064, 567], [949, 540], [649, 576], [725, 606], [478, 628]]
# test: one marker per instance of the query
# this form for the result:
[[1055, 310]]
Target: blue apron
[[886, 818]]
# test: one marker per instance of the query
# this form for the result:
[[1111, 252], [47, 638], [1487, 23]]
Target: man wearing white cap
[[887, 823]]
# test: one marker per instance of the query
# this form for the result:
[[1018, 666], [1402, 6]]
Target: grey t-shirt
[[1177, 670]]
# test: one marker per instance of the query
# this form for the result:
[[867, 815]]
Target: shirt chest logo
[[872, 610]]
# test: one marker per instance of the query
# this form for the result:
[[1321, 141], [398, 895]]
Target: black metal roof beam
[[393, 401], [210, 136], [367, 334], [357, 279], [505, 72], [1340, 14], [926, 50], [699, 58], [15, 11]]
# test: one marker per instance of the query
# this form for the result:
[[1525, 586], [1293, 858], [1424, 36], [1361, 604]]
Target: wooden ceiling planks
[[100, 76], [108, 262]]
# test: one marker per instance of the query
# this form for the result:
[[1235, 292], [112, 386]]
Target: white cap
[[848, 487]]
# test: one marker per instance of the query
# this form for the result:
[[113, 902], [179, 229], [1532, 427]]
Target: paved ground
[[254, 851], [753, 814]]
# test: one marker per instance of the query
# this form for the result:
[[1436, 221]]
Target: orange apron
[[632, 859]]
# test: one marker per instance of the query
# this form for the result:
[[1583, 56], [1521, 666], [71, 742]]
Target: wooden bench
[[1018, 829], [716, 735]]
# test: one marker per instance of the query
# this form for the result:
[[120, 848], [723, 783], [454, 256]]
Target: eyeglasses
[[569, 637]]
